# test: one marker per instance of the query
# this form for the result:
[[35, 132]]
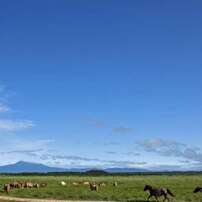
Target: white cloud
[[15, 125], [11, 124], [171, 149]]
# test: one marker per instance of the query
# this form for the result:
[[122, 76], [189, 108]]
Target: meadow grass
[[130, 188]]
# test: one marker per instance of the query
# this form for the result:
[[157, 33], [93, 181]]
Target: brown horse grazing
[[197, 189], [93, 187], [7, 188], [22, 185], [15, 185], [158, 192], [36, 185], [28, 185]]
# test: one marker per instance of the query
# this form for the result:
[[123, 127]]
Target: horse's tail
[[170, 193]]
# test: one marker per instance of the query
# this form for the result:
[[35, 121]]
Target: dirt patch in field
[[15, 199]]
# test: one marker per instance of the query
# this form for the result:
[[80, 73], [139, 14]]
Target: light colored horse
[[86, 183], [75, 183], [7, 188], [63, 183]]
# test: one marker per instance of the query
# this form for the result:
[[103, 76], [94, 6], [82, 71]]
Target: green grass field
[[130, 188]]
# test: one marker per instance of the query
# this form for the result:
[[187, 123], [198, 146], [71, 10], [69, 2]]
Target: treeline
[[102, 173]]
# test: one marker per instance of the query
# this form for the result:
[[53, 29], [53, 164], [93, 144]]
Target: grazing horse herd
[[22, 185], [93, 185], [153, 192]]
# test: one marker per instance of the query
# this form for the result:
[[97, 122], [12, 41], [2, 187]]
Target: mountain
[[126, 170], [22, 166], [96, 172], [28, 167]]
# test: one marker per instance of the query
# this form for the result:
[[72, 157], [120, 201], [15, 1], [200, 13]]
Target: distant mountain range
[[28, 167], [125, 170]]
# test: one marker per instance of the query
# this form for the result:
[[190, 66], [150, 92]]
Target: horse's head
[[147, 187]]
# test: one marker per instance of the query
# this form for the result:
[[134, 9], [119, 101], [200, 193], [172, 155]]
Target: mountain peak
[[28, 167], [22, 162], [26, 163]]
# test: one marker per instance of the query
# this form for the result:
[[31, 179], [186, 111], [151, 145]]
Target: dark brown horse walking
[[153, 192], [197, 189]]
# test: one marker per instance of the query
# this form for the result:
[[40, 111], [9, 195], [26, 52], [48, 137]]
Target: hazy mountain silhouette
[[28, 167], [125, 170]]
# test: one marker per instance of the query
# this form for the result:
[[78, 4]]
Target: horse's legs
[[165, 197], [149, 197], [156, 198]]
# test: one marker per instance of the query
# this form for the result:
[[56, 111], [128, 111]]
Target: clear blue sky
[[101, 83]]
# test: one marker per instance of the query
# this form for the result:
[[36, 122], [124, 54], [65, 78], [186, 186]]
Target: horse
[[115, 184], [158, 192], [93, 187], [13, 185], [36, 185], [7, 188], [28, 185], [86, 183], [21, 185], [197, 189], [101, 184], [63, 183]]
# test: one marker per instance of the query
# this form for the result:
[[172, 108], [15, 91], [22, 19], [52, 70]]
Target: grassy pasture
[[130, 188]]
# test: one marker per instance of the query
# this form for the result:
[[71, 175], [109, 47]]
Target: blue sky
[[106, 83]]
